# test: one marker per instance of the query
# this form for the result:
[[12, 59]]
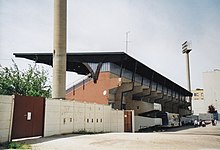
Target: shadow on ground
[[165, 129]]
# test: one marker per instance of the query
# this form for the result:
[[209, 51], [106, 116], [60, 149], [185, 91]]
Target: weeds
[[87, 132], [15, 145]]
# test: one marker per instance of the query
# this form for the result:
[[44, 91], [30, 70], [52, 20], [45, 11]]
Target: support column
[[59, 52]]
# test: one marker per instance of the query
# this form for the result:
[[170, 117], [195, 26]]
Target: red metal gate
[[28, 117], [127, 121]]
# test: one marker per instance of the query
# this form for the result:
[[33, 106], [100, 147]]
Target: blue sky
[[157, 30]]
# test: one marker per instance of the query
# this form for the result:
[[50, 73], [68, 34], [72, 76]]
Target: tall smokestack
[[59, 52]]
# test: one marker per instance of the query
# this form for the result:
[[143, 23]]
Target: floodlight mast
[[186, 50], [126, 42]]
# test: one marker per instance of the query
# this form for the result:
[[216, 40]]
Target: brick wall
[[92, 92]]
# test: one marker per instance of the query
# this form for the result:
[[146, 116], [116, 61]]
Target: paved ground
[[202, 138]]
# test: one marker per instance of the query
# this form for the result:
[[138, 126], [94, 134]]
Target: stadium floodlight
[[185, 47]]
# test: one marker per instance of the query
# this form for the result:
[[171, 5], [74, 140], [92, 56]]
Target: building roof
[[75, 63]]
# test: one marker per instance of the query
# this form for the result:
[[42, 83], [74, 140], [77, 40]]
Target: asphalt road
[[202, 138]]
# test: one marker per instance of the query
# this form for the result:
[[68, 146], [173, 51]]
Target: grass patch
[[16, 145]]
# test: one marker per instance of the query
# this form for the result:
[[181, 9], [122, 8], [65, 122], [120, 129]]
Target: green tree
[[30, 82]]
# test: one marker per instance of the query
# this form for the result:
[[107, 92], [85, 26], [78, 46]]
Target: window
[[195, 94]]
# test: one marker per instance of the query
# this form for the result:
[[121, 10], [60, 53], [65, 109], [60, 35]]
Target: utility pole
[[126, 42], [186, 51]]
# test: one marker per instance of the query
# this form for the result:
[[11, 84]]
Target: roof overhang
[[76, 63]]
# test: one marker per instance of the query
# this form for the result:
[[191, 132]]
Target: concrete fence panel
[[66, 116], [6, 117], [107, 118], [78, 116], [90, 117], [52, 117], [63, 116], [120, 121], [114, 121], [99, 115]]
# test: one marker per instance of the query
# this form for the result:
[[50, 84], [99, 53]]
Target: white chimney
[[59, 51]]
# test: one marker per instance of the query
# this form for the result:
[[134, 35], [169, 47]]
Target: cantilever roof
[[75, 63]]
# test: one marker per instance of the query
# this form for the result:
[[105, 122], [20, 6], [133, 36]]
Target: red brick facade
[[94, 93]]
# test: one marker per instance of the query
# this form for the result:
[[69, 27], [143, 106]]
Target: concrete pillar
[[119, 98], [137, 89], [59, 52]]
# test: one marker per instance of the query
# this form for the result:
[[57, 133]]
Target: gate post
[[11, 118]]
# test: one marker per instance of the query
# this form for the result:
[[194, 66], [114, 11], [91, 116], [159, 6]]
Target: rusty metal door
[[128, 121], [28, 117]]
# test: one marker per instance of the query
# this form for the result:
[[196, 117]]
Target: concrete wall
[[198, 106], [63, 116], [211, 83], [116, 121], [145, 122], [139, 106], [6, 117]]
